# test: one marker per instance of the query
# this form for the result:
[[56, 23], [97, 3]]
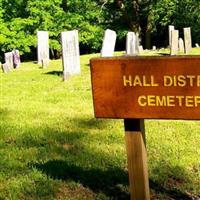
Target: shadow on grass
[[55, 73], [173, 178], [71, 145], [111, 182], [91, 123], [164, 54]]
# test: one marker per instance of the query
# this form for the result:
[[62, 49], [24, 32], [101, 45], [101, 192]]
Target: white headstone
[[45, 63], [171, 28], [109, 41], [154, 48], [188, 40], [141, 49], [9, 59], [5, 68], [132, 47], [181, 45], [174, 43], [138, 41], [42, 46], [16, 58], [70, 53], [197, 45]]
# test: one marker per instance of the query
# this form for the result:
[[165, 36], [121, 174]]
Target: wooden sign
[[146, 87]]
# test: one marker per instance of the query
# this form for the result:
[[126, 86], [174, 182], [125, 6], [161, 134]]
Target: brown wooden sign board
[[146, 87], [137, 88]]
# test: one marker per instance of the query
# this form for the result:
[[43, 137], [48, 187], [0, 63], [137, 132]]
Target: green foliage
[[151, 18], [180, 13], [20, 20]]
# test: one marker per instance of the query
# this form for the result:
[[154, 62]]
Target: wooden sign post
[[138, 88]]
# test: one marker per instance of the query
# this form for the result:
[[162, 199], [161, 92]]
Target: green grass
[[51, 147]]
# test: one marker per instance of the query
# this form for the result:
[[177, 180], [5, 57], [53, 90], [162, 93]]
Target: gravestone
[[154, 48], [141, 49], [43, 46], [174, 42], [132, 47], [70, 53], [16, 58], [9, 59], [171, 28], [45, 63], [138, 41], [181, 45], [109, 41], [197, 45], [5, 68], [188, 40]]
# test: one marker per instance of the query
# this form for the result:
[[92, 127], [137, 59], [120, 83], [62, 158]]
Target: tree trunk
[[148, 39]]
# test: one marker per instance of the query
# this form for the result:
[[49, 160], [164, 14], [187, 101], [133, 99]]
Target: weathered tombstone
[[9, 59], [109, 41], [171, 28], [132, 47], [16, 58], [70, 53], [154, 48], [138, 41], [42, 46], [45, 63], [188, 40], [181, 45], [197, 45], [174, 43], [5, 68], [141, 49]]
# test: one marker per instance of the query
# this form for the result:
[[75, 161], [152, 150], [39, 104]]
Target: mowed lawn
[[52, 147]]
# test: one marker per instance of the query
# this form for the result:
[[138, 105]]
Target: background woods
[[20, 19]]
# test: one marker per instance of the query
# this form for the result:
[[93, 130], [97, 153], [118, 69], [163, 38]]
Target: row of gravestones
[[12, 61], [177, 44], [70, 49], [133, 46]]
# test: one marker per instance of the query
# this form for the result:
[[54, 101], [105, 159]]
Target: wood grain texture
[[114, 100], [137, 159]]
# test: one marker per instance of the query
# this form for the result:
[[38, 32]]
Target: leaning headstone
[[42, 46], [197, 45], [188, 40], [132, 47], [141, 49], [109, 41], [174, 43], [5, 68], [16, 58], [171, 28], [181, 45], [70, 53], [9, 59]]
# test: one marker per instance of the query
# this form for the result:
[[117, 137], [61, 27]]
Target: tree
[[20, 20]]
